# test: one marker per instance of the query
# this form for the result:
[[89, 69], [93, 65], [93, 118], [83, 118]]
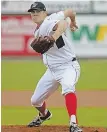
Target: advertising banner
[[90, 40], [100, 6], [17, 33], [21, 7]]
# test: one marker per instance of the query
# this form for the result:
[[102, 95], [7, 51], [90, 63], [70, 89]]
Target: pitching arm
[[59, 28], [71, 14]]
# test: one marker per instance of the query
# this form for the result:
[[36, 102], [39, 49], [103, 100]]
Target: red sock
[[71, 103]]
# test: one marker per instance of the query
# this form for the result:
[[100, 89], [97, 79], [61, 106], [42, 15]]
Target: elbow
[[69, 13]]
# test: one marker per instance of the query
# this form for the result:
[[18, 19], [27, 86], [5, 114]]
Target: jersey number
[[60, 42]]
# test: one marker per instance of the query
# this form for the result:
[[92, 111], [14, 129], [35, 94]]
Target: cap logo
[[34, 5]]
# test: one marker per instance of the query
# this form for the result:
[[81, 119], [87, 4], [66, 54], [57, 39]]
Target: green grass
[[23, 115], [24, 75], [93, 75], [21, 75]]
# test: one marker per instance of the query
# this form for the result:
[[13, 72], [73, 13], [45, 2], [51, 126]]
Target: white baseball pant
[[67, 75]]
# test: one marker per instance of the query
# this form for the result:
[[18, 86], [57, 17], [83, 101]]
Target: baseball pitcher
[[63, 69]]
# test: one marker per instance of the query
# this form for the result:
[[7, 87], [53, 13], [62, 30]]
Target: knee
[[68, 90], [35, 101]]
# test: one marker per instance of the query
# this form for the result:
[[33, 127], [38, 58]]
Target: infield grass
[[24, 75], [86, 116]]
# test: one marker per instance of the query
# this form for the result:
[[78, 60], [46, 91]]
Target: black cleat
[[40, 119], [75, 128]]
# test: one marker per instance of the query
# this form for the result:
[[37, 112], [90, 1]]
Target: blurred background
[[21, 67], [90, 40]]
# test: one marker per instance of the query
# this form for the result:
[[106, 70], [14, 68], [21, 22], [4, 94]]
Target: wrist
[[54, 37], [73, 17]]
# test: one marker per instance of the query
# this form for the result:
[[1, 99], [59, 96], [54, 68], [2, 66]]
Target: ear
[[55, 27]]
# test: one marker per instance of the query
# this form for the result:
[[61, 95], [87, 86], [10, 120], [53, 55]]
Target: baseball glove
[[42, 44]]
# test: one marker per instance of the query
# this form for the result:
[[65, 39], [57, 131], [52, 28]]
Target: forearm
[[61, 27]]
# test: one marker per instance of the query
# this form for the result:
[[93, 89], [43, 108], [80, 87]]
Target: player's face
[[37, 16]]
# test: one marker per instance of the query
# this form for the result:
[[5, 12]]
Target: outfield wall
[[90, 40]]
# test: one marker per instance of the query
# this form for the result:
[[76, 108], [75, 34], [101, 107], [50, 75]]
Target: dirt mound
[[47, 129]]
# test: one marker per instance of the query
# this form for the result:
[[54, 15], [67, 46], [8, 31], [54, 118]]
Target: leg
[[68, 82], [42, 109], [71, 104], [45, 87]]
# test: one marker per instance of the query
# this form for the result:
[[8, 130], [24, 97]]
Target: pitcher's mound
[[48, 129]]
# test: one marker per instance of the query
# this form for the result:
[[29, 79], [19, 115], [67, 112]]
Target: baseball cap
[[37, 6]]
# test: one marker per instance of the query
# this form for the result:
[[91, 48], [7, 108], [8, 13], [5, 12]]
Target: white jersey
[[62, 51]]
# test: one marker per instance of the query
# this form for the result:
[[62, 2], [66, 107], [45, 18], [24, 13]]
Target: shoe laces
[[75, 126], [37, 118]]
